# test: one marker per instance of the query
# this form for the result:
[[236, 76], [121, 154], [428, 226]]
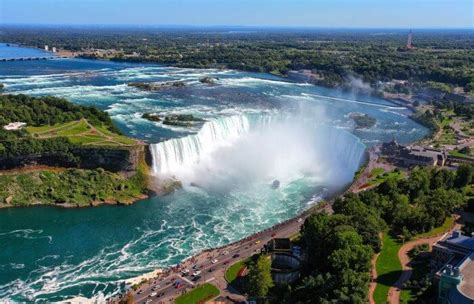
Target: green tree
[[260, 278], [464, 175]]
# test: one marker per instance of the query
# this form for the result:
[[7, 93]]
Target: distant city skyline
[[280, 13]]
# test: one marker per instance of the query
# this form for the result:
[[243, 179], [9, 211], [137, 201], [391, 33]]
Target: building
[[451, 249], [453, 262], [14, 126], [420, 156], [409, 45], [285, 268], [410, 156], [433, 95], [456, 284], [286, 262], [457, 98], [279, 245], [303, 76]]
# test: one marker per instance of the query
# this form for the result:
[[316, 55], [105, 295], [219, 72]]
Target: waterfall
[[337, 149], [170, 155], [346, 148]]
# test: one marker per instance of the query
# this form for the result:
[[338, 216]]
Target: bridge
[[30, 58]]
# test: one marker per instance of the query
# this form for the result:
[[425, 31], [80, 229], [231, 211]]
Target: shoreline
[[145, 278], [324, 205], [92, 203], [75, 206]]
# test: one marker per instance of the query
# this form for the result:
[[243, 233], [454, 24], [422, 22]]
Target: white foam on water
[[353, 101], [171, 155], [252, 81]]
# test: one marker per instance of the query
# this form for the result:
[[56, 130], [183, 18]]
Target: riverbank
[[213, 262], [70, 188], [142, 286]]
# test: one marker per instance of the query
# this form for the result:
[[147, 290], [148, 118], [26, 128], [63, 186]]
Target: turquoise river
[[258, 128]]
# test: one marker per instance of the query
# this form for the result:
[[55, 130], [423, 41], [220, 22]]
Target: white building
[[14, 126]]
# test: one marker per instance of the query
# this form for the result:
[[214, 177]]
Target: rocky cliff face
[[111, 159]]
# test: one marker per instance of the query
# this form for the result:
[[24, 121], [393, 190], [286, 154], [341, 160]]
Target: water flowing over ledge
[[333, 149], [170, 155]]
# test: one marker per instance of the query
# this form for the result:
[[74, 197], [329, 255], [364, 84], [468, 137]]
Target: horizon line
[[137, 25]]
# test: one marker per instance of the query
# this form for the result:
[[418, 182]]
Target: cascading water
[[334, 148], [344, 147], [170, 155]]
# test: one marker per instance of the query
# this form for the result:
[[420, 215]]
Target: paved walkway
[[373, 278], [394, 291]]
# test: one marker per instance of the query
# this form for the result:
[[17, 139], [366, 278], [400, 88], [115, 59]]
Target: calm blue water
[[12, 51], [53, 254]]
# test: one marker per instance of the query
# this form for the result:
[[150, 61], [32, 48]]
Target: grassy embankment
[[233, 271], [71, 187], [421, 267], [389, 268], [456, 153], [199, 294], [378, 176], [448, 223], [81, 132]]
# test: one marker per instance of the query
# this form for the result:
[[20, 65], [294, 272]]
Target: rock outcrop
[[124, 159]]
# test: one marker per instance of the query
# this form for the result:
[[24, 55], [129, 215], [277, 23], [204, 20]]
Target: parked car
[[214, 261], [236, 255]]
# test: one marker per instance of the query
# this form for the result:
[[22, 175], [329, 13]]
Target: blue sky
[[313, 13]]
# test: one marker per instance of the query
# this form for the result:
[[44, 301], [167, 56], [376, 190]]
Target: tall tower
[[409, 41]]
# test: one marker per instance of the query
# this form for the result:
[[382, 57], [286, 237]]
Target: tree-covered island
[[55, 152]]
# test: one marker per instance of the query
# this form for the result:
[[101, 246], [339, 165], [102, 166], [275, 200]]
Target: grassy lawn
[[458, 154], [232, 271], [448, 223], [48, 129], [295, 237], [388, 267], [84, 140], [359, 172], [379, 178], [376, 172], [75, 129], [199, 294], [80, 132]]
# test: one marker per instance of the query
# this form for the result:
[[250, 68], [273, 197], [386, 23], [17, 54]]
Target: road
[[162, 289]]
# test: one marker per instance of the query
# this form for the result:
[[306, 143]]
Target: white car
[[153, 294], [196, 273], [185, 272], [300, 220], [225, 252], [214, 261]]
